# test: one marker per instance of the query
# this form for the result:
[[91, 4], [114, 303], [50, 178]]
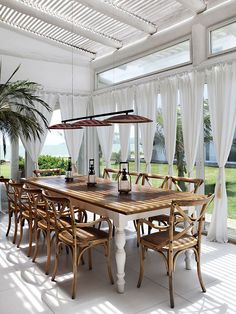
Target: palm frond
[[19, 113]]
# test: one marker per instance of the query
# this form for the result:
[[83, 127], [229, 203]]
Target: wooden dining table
[[104, 199]]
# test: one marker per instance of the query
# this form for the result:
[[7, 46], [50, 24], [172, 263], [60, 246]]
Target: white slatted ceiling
[[158, 12]]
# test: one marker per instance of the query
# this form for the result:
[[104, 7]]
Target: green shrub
[[21, 163], [51, 162]]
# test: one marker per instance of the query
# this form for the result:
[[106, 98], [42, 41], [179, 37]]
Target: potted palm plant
[[18, 113]]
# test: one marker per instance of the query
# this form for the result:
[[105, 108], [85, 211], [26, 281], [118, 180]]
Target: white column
[[199, 41]]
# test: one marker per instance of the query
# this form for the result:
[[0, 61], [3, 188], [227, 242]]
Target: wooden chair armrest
[[95, 222], [150, 224]]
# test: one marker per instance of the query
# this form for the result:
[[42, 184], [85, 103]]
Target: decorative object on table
[[91, 174], [124, 179], [69, 177]]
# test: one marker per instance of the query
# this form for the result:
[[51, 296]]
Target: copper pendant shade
[[125, 118], [91, 123], [64, 126]]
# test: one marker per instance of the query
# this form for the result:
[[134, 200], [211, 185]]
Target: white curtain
[[105, 103], [124, 99], [146, 101], [35, 146], [221, 83], [169, 101], [191, 89], [72, 109]]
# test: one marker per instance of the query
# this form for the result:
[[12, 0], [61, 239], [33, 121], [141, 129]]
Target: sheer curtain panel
[[35, 146], [124, 99], [221, 83], [191, 89], [169, 101], [146, 101], [72, 109], [103, 103]]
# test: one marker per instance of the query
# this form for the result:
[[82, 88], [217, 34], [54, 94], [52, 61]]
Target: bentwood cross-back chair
[[171, 240], [30, 205], [14, 194], [178, 184], [45, 224], [162, 181], [78, 237]]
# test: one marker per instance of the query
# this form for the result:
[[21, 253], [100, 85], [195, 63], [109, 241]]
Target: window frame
[[210, 29], [146, 53]]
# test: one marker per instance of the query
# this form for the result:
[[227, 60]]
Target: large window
[[175, 55], [223, 39]]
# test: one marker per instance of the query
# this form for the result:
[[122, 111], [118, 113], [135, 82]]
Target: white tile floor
[[24, 288]]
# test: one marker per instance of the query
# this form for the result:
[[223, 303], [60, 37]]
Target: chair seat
[[42, 224], [84, 235], [165, 218], [160, 239], [26, 214]]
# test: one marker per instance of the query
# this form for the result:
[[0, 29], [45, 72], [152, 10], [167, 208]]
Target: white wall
[[51, 75]]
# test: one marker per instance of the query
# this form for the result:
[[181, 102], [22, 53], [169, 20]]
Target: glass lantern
[[91, 173], [124, 179]]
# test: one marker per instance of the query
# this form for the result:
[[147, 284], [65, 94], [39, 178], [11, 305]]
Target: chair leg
[[16, 227], [30, 222], [47, 266], [58, 250], [142, 253], [197, 254], [170, 274], [21, 232], [90, 258], [171, 292], [36, 245], [9, 222], [76, 261]]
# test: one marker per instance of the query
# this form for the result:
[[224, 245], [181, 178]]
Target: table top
[[105, 194]]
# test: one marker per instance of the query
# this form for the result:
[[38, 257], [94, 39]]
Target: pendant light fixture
[[64, 126]]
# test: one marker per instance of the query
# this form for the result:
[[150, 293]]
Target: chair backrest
[[113, 174], [179, 183], [14, 193], [109, 173], [161, 180], [60, 207], [189, 224], [32, 198], [47, 172]]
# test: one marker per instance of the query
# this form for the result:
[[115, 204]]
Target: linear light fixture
[[117, 117]]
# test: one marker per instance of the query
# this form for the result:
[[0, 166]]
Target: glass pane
[[5, 166], [163, 59], [223, 38]]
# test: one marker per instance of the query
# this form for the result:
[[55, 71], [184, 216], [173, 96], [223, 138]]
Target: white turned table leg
[[188, 262], [120, 258]]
